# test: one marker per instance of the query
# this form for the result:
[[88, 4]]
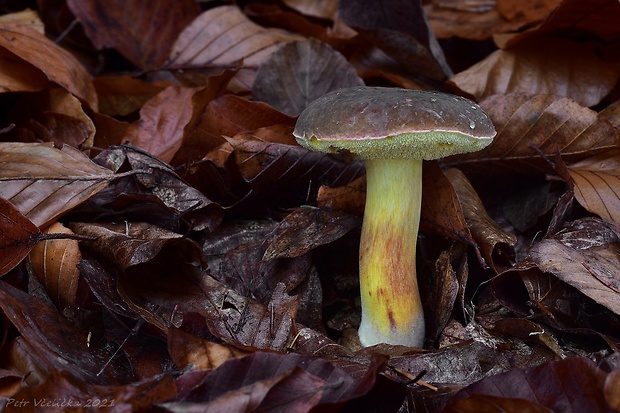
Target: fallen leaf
[[483, 228], [579, 72], [129, 243], [59, 343], [123, 95], [190, 351], [44, 182], [163, 119], [575, 384], [300, 72], [527, 124], [325, 9], [54, 263], [56, 64], [401, 31], [19, 236], [142, 32], [592, 271], [305, 229], [597, 184], [223, 37]]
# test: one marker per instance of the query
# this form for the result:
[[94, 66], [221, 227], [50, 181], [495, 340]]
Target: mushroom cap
[[393, 123]]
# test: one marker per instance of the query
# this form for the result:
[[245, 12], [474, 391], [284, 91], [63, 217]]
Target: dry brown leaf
[[27, 17], [597, 184], [550, 124], [300, 72], [474, 24], [66, 104], [44, 182], [325, 9], [17, 236], [56, 64], [543, 66], [162, 123], [54, 264], [530, 12], [223, 37], [483, 228], [188, 350], [350, 198], [143, 32], [123, 95], [593, 271], [401, 30]]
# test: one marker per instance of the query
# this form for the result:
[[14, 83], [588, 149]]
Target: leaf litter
[[210, 263]]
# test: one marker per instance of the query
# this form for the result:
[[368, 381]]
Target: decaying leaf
[[305, 229], [597, 184], [19, 236], [527, 124], [300, 72], [55, 63], [484, 230], [142, 32], [44, 182], [592, 271], [54, 263], [546, 388], [222, 38]]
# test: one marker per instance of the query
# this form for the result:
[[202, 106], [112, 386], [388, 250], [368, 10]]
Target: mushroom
[[392, 130]]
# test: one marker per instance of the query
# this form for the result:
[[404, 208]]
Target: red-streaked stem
[[391, 307]]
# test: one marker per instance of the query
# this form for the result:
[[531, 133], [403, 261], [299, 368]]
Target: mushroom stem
[[391, 307]]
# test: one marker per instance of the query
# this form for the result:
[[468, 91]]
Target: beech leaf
[[597, 184], [56, 64], [593, 271], [300, 72], [579, 72], [143, 32], [54, 263], [18, 236], [553, 386], [525, 123], [44, 182], [223, 37]]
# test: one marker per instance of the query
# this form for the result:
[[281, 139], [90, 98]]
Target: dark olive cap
[[393, 123]]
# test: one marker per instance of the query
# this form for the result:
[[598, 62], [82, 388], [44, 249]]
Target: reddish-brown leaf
[[441, 210], [483, 228], [59, 344], [223, 37], [44, 182], [55, 63], [572, 385], [597, 184], [123, 95], [18, 236], [300, 72], [54, 263], [188, 350], [526, 124], [71, 394], [578, 71], [163, 119], [305, 229], [473, 19], [401, 31], [130, 243], [593, 271], [142, 32]]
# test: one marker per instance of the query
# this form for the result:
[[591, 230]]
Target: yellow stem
[[391, 307]]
